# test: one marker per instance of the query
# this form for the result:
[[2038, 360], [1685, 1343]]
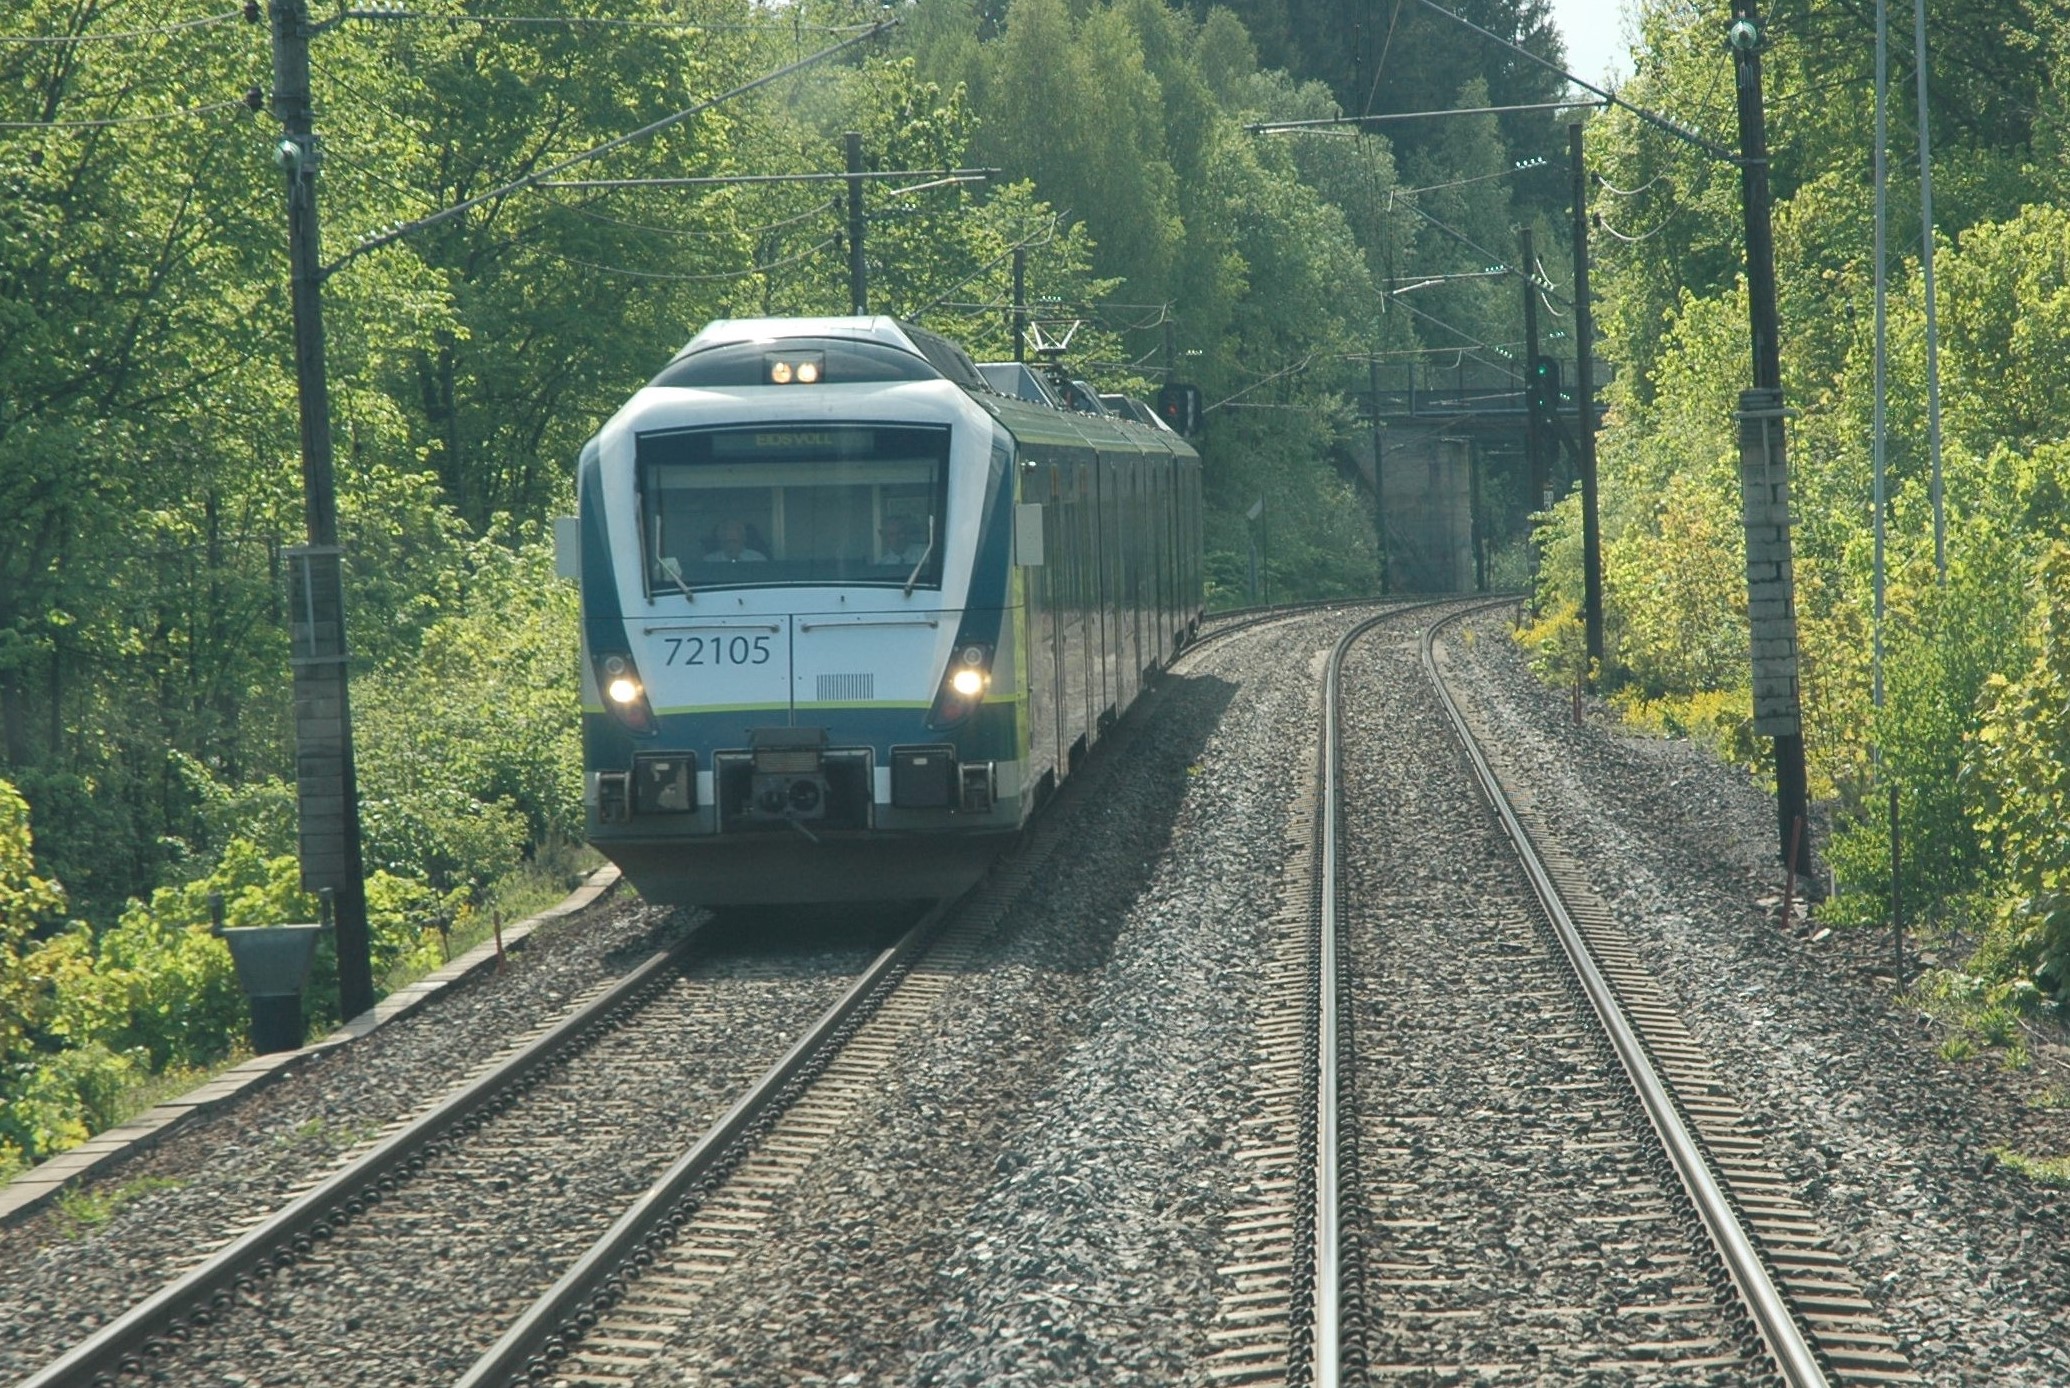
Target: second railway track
[[1553, 1184]]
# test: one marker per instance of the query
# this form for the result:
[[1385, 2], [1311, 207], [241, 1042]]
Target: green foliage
[[2022, 769], [88, 1018], [468, 747], [149, 447], [2045, 1171]]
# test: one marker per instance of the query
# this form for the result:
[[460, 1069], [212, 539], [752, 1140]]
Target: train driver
[[733, 546], [900, 545]]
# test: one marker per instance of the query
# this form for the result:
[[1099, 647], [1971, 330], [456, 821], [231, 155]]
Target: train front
[[801, 676]]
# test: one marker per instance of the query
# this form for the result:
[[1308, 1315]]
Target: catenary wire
[[154, 31], [183, 112], [678, 278], [376, 240]]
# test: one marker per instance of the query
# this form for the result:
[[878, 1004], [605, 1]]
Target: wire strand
[[155, 31], [1607, 186], [119, 120], [591, 21], [1602, 225], [677, 278], [820, 209], [376, 240]]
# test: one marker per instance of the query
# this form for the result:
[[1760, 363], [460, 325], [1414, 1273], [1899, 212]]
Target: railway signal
[[1179, 406], [1544, 396]]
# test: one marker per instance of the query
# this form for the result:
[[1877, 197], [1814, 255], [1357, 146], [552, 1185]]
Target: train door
[[1099, 623], [1167, 586], [1114, 540], [1139, 574], [1085, 589], [1038, 485]]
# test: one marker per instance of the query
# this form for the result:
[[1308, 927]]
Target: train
[[850, 614]]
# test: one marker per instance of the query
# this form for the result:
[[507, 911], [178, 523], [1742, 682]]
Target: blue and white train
[[849, 615]]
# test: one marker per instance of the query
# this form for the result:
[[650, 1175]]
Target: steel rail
[[1326, 1340], [1769, 1309], [126, 1344], [1327, 1318], [1316, 1345], [597, 1280], [1216, 626]]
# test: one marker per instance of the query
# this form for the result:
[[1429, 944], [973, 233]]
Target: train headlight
[[963, 686], [624, 695], [794, 368]]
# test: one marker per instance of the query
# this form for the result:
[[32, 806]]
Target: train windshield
[[776, 504]]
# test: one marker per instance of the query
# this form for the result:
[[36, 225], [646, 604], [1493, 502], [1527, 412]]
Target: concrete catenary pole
[[1764, 465], [326, 781]]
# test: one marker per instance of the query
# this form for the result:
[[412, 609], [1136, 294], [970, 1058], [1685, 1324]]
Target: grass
[[2051, 1099], [86, 1210], [333, 1136], [2044, 1171], [534, 886], [1979, 1017]]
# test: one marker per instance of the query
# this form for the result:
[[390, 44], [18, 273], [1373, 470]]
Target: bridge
[[1453, 490]]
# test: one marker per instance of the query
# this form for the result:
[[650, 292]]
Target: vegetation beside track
[[1974, 730]]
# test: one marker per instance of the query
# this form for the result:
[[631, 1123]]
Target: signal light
[[1179, 406], [1542, 387]]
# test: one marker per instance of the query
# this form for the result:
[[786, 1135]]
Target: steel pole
[[1534, 428], [858, 271]]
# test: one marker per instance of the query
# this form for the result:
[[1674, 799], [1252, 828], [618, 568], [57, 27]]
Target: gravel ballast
[[1886, 1141], [1039, 1198], [1042, 1195]]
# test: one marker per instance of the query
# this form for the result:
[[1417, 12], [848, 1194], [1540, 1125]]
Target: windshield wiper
[[673, 570], [925, 555]]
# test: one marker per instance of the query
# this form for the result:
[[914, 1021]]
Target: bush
[[443, 835], [2021, 764]]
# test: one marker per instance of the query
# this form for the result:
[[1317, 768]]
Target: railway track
[[1813, 1317], [481, 1134], [610, 1318], [1712, 1270], [1329, 1283], [329, 1266]]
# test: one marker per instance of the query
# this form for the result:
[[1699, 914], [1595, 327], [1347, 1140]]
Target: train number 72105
[[717, 650]]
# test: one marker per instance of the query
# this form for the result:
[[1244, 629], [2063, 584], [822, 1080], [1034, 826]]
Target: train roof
[[901, 351], [950, 361]]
